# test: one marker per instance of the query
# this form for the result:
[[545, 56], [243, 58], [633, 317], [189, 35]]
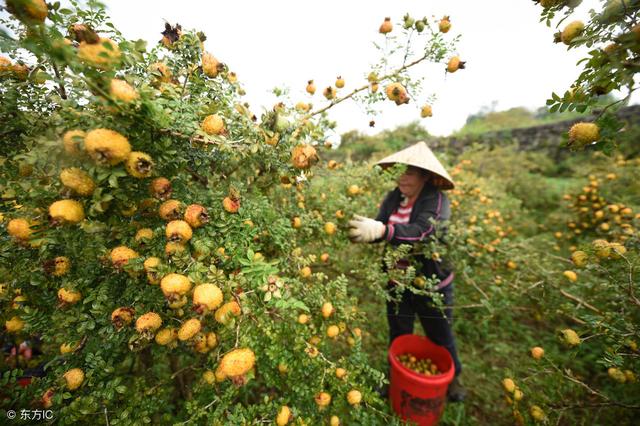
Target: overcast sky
[[510, 55]]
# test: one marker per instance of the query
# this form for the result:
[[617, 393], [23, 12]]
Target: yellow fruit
[[630, 376], [296, 222], [537, 413], [537, 352], [232, 77], [189, 329], [508, 385], [570, 275], [237, 362], [173, 285], [386, 26], [28, 10], [74, 378], [579, 258], [354, 397], [210, 65], [455, 64], [330, 228], [617, 250], [213, 125], [303, 156], [335, 421], [339, 82], [602, 248], [333, 331], [209, 377], [327, 309], [14, 324], [397, 93], [78, 181], [66, 348], [196, 215], [616, 375], [143, 235], [212, 340], [69, 296], [353, 190], [103, 55], [107, 147], [122, 91], [284, 416], [444, 25], [166, 336], [340, 372], [170, 210], [231, 205], [47, 398], [72, 140], [148, 322], [139, 164], [178, 231], [426, 111], [162, 71], [206, 298], [582, 134], [121, 255], [121, 317], [305, 272], [324, 257], [59, 267], [283, 369], [511, 264], [303, 318], [150, 265], [571, 31], [570, 337], [19, 229], [311, 87], [227, 311], [66, 211], [322, 399]]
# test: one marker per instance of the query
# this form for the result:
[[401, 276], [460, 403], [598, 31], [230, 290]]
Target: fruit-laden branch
[[595, 392], [366, 86], [580, 301]]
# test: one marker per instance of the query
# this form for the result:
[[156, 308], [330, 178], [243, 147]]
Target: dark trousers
[[436, 323]]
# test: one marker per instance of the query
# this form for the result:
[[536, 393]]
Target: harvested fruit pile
[[422, 366]]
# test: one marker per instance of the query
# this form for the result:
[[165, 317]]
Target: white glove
[[365, 230]]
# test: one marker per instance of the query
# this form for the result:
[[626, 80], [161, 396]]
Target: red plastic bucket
[[415, 397]]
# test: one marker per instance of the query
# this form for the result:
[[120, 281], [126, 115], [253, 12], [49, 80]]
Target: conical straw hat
[[419, 155]]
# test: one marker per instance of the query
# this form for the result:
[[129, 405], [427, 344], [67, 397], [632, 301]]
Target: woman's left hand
[[365, 230]]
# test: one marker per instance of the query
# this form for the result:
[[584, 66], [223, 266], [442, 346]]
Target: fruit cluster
[[419, 365]]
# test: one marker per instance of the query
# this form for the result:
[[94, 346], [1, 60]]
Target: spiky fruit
[[335, 421], [616, 374], [171, 248], [327, 309], [396, 92], [617, 250], [150, 266], [237, 362], [66, 348], [303, 318], [122, 316], [28, 10], [174, 285], [444, 25], [161, 71], [537, 352], [160, 188], [103, 55], [329, 92], [230, 204], [206, 298], [426, 111], [60, 266], [47, 398], [148, 322], [78, 181], [196, 215], [72, 140], [537, 413], [166, 336], [211, 67], [570, 275], [143, 235], [602, 248], [284, 416], [178, 231], [14, 324], [121, 255], [122, 91], [227, 311], [354, 397], [107, 147], [386, 26], [74, 378], [340, 372], [322, 399], [330, 228], [333, 331], [582, 134], [139, 164], [455, 64], [209, 377], [305, 272], [579, 258], [66, 212], [189, 329], [170, 210], [213, 125], [311, 87], [571, 31], [570, 337], [19, 229], [508, 385], [303, 156]]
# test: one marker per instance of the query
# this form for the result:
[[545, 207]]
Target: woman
[[405, 217]]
